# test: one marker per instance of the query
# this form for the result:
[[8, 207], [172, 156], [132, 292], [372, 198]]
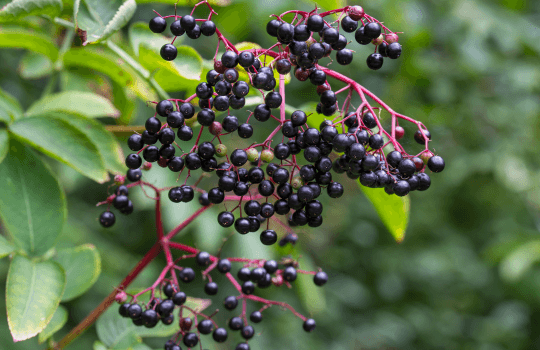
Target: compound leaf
[[32, 204], [33, 292], [87, 104]]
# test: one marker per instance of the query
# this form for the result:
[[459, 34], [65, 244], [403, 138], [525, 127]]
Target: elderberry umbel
[[266, 186]]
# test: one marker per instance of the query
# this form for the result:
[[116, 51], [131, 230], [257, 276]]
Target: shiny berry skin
[[107, 218], [176, 194], [220, 335], [123, 310], [248, 287], [285, 33], [235, 323], [134, 311], [309, 325], [132, 175], [289, 274], [211, 288], [372, 30], [376, 141], [205, 326], [247, 332], [224, 266], [348, 24], [436, 164], [176, 28], [245, 131], [315, 23], [226, 219], [149, 318], [229, 59], [168, 52], [187, 274], [320, 278], [335, 190], [393, 158], [165, 307], [268, 237], [202, 258], [158, 24], [179, 298], [361, 37], [419, 136], [191, 340], [242, 226], [208, 28], [255, 317], [393, 51], [425, 181], [375, 61], [135, 142], [188, 22], [344, 56], [401, 188], [406, 167]]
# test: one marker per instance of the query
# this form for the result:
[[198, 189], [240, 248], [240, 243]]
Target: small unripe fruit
[[425, 156], [216, 128], [147, 166], [121, 297], [379, 40], [392, 38], [253, 155], [221, 150], [297, 182], [356, 12], [267, 156]]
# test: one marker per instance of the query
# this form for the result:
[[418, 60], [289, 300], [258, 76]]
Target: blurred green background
[[466, 275]]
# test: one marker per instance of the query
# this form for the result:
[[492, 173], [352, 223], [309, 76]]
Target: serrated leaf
[[22, 38], [100, 19], [82, 266], [87, 104], [108, 147], [140, 34], [60, 140], [112, 66], [393, 210], [4, 144], [5, 247], [172, 75], [32, 204], [10, 108], [18, 9], [35, 66], [33, 292], [58, 321]]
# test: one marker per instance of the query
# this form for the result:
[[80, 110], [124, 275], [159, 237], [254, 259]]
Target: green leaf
[[18, 9], [172, 75], [100, 19], [21, 38], [518, 262], [5, 247], [140, 34], [99, 345], [106, 143], [185, 2], [82, 266], [60, 140], [87, 104], [112, 66], [33, 292], [10, 109], [58, 321], [393, 210], [4, 144], [35, 66], [32, 204], [311, 296]]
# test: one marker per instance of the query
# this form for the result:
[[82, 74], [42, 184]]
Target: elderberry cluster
[[172, 298]]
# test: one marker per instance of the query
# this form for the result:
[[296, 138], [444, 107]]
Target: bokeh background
[[465, 277]]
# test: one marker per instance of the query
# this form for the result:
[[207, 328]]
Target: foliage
[[465, 275]]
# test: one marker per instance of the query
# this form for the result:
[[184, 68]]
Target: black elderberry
[[133, 161], [242, 225], [191, 340], [189, 194], [123, 310], [301, 32], [229, 59], [393, 51], [372, 30], [393, 158], [369, 162], [268, 237], [185, 133], [285, 32], [283, 66], [266, 188], [165, 307], [220, 335], [245, 131], [230, 302], [282, 151], [225, 219], [368, 179], [335, 190], [216, 196], [194, 33], [132, 175], [224, 266], [288, 129], [203, 258], [208, 28], [344, 56], [134, 311], [255, 175], [348, 24], [361, 37], [135, 142], [149, 318], [240, 188], [375, 61], [362, 136], [187, 274], [226, 183], [401, 188], [151, 154], [289, 274], [247, 332], [188, 22], [284, 190], [205, 326], [406, 167], [419, 138], [376, 141], [248, 288], [153, 125], [193, 161], [168, 52], [436, 164], [236, 323], [158, 24], [176, 28], [330, 36], [176, 194], [280, 176], [179, 298], [167, 151], [369, 120], [309, 325], [272, 27], [211, 288], [315, 23]]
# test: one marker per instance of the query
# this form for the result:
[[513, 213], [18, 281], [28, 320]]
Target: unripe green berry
[[297, 182], [221, 150], [253, 155], [392, 38], [378, 41], [267, 156], [147, 166], [119, 180], [425, 156]]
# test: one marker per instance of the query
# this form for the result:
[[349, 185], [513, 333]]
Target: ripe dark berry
[[229, 59], [401, 188], [224, 266], [344, 56], [168, 52], [247, 332], [189, 194], [123, 310], [133, 161], [193, 161], [335, 190], [436, 164], [273, 99], [424, 181], [135, 142], [283, 66], [175, 164], [266, 188], [176, 194], [168, 320], [107, 219], [239, 157], [272, 27], [203, 258], [419, 136], [134, 311], [255, 317], [205, 326], [317, 77], [220, 335], [406, 167], [206, 117], [191, 340], [158, 24], [226, 219], [348, 24], [289, 274], [248, 288], [268, 237], [235, 323], [376, 141], [309, 325], [187, 274], [393, 50], [289, 130], [315, 23], [188, 22], [132, 175], [330, 36], [211, 288], [372, 30], [245, 131], [208, 28], [185, 133], [242, 225], [149, 318], [393, 158], [163, 108], [375, 61], [179, 298], [285, 33], [176, 28], [320, 278], [361, 37], [165, 307], [230, 302]]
